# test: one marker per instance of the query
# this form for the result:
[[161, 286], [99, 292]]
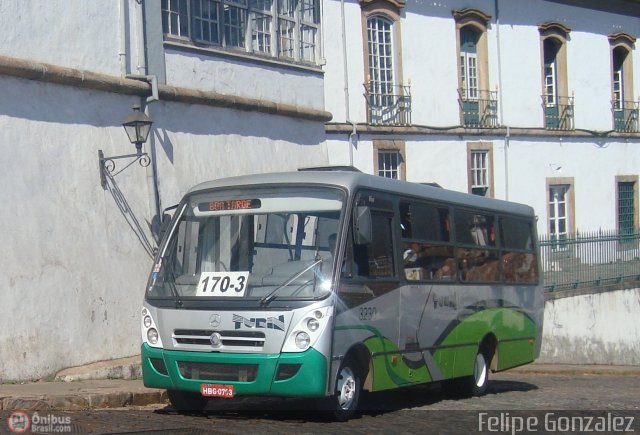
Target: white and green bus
[[326, 283]]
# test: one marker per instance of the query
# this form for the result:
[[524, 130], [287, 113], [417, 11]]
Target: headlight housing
[[303, 340], [150, 334], [307, 330]]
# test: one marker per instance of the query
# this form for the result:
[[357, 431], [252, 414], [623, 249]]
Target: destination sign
[[230, 204]]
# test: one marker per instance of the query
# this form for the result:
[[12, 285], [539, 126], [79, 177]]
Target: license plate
[[217, 390]]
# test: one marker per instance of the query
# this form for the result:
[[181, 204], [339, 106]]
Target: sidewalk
[[82, 388], [106, 384]]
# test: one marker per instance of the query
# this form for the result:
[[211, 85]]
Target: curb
[[576, 370], [122, 368], [76, 402]]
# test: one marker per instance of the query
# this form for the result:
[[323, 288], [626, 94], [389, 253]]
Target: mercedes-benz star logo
[[216, 339], [214, 320]]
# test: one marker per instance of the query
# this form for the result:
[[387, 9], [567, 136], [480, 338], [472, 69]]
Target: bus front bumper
[[288, 374]]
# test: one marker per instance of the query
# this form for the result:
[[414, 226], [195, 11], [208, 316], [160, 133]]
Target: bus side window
[[427, 252], [375, 260], [519, 261]]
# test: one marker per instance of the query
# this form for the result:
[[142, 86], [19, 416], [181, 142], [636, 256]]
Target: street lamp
[[137, 126]]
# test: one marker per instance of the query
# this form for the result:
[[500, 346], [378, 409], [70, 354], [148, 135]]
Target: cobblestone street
[[546, 402]]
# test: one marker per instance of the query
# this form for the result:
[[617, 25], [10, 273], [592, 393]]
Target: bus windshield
[[260, 244]]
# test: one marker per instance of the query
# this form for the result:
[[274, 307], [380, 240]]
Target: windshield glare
[[263, 244]]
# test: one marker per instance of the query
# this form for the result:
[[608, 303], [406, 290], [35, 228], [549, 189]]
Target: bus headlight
[[307, 329], [313, 325], [149, 329], [152, 336], [303, 340]]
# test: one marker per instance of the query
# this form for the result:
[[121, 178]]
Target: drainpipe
[[122, 54], [353, 136], [141, 63], [141, 68], [507, 134]]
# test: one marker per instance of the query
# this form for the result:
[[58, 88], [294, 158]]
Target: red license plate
[[217, 390]]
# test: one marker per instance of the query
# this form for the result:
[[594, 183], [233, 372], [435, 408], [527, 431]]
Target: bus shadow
[[371, 404], [427, 395]]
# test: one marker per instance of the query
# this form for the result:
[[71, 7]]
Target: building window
[[479, 173], [626, 208], [286, 29], [262, 25], [389, 158], [175, 17], [478, 105], [556, 102], [381, 74], [624, 108], [388, 100], [626, 204], [389, 164], [480, 168], [206, 21], [560, 208]]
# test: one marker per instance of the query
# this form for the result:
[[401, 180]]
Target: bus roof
[[352, 180]]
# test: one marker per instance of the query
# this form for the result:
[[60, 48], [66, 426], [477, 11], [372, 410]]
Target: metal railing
[[479, 111], [558, 112], [625, 116], [390, 106], [590, 258]]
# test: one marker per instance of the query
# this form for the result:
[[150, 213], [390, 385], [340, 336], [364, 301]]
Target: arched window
[[556, 102], [478, 105], [469, 62], [625, 109], [381, 61], [388, 99], [551, 47]]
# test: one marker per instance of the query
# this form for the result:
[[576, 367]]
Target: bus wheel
[[348, 387], [187, 401], [480, 378]]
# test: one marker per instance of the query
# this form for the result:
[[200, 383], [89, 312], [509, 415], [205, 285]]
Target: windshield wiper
[[168, 264], [268, 298]]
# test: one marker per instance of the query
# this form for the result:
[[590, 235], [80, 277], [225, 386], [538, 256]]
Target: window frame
[[385, 109], [258, 29], [569, 201], [623, 106], [397, 146], [557, 34], [476, 21], [627, 179], [480, 147]]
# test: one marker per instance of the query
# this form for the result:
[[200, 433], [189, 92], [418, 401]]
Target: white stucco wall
[[592, 167], [235, 76], [598, 328], [72, 274], [82, 34]]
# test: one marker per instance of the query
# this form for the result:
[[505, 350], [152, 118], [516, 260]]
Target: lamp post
[[137, 126]]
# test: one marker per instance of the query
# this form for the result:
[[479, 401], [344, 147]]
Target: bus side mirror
[[362, 230]]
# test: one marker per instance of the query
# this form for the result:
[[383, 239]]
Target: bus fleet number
[[368, 313]]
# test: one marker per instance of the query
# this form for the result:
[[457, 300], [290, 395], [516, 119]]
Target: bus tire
[[187, 401], [479, 381], [348, 389]]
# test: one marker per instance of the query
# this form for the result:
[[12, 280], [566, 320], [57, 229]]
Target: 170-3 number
[[229, 284]]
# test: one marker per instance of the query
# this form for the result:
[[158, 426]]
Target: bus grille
[[236, 339], [218, 372]]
